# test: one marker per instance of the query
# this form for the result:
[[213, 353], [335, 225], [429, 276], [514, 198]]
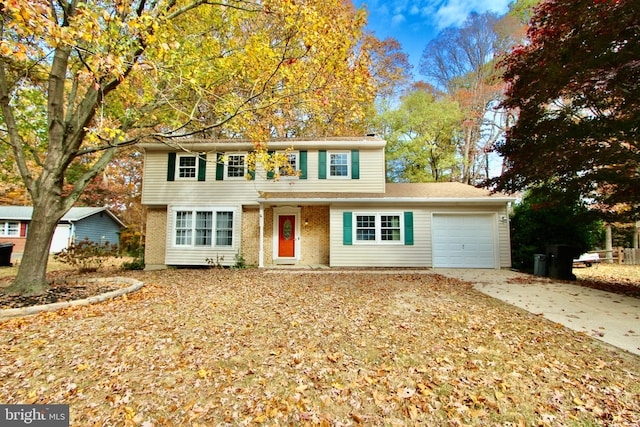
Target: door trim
[[286, 211]]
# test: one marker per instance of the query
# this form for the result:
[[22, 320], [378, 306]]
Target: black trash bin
[[540, 264], [5, 254], [560, 261]]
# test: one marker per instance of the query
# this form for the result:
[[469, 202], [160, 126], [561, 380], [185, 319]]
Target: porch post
[[261, 244]]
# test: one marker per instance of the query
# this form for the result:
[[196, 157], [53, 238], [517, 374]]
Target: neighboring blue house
[[96, 224]]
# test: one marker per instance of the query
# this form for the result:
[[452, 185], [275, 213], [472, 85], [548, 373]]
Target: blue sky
[[414, 22]]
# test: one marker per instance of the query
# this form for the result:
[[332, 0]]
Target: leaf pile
[[618, 278], [57, 292], [241, 347]]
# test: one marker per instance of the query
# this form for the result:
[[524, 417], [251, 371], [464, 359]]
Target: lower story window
[[390, 228], [10, 229], [381, 228], [196, 228], [365, 227], [224, 228]]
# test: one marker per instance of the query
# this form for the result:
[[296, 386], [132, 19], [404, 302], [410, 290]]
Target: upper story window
[[10, 229], [292, 170], [339, 163], [236, 166], [187, 167]]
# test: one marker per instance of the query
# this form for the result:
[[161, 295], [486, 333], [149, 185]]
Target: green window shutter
[[303, 164], [347, 228], [270, 174], [355, 164], [252, 175], [171, 167], [219, 167], [202, 167], [322, 164], [408, 228]]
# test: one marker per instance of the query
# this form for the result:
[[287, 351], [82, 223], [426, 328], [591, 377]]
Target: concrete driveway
[[609, 317]]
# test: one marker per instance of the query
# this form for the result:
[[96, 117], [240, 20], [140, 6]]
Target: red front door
[[286, 236]]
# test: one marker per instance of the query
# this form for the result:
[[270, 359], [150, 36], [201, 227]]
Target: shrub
[[87, 256], [241, 263], [136, 264], [542, 219], [131, 242]]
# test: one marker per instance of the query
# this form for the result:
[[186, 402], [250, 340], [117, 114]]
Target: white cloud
[[441, 13], [454, 12], [398, 19]]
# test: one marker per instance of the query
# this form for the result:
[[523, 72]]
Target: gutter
[[317, 200]]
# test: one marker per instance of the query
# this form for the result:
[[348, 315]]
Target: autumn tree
[[460, 61], [523, 9], [574, 88], [390, 67], [80, 80], [422, 136]]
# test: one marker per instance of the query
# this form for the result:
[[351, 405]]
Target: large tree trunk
[[31, 278]]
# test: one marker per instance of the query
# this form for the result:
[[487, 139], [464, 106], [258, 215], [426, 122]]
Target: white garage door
[[463, 241], [61, 238]]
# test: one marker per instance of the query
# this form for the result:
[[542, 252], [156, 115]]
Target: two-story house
[[335, 210]]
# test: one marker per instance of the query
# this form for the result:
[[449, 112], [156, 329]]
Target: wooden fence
[[620, 255], [630, 256]]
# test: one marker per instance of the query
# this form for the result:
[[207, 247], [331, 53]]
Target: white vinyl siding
[[158, 191]]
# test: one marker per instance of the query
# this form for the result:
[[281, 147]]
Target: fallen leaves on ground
[[242, 347], [58, 292], [618, 278]]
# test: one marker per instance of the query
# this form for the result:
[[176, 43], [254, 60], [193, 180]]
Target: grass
[[238, 347]]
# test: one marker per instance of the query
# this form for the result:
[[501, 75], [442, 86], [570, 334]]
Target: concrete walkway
[[609, 317]]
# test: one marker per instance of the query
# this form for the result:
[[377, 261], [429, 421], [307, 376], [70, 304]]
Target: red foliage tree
[[574, 90]]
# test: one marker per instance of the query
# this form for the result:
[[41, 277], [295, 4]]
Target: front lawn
[[216, 347]]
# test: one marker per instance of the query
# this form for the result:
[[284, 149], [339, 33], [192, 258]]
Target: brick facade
[[154, 250], [314, 235], [250, 240]]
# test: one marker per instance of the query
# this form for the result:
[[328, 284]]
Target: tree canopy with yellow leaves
[[78, 80]]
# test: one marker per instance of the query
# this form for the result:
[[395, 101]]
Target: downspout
[[71, 240], [261, 243]]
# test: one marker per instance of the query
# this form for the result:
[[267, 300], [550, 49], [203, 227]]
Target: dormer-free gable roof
[[434, 192], [24, 213], [224, 145]]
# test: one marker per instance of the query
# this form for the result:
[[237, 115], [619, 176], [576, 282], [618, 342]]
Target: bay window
[[197, 228]]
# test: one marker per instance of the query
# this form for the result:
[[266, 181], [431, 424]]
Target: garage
[[61, 238], [463, 241]]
